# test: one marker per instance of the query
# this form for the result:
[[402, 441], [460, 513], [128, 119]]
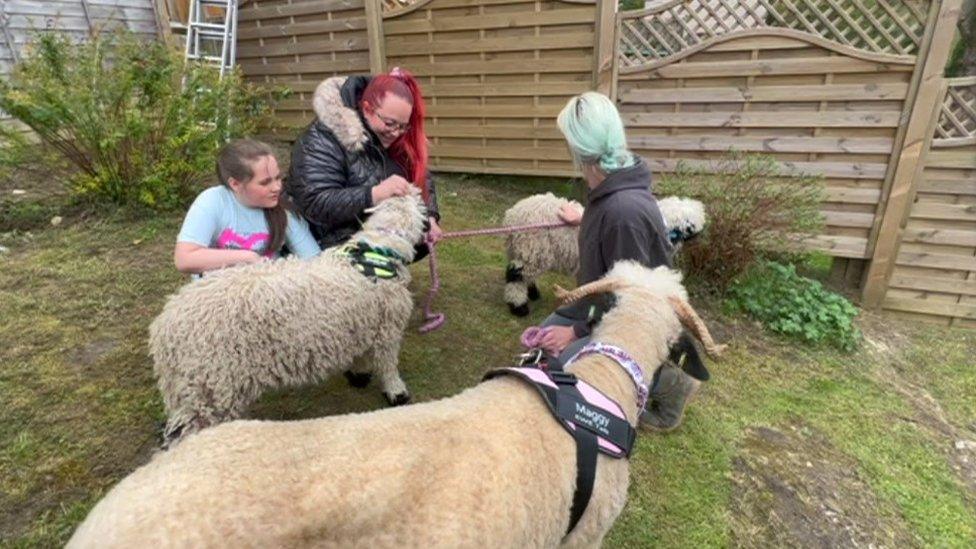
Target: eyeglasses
[[392, 124]]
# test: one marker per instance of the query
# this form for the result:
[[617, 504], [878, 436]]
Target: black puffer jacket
[[336, 162]]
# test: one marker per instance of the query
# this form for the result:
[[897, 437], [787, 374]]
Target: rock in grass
[[56, 220]]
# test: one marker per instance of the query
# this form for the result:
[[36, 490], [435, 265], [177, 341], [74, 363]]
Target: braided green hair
[[595, 133]]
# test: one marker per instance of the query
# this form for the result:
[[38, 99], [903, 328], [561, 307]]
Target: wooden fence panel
[[298, 43], [815, 106], [934, 276], [495, 75]]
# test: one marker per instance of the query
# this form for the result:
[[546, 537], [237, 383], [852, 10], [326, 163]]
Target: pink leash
[[432, 320]]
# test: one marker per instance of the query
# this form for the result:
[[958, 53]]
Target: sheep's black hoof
[[521, 310], [358, 380], [534, 292], [397, 400]]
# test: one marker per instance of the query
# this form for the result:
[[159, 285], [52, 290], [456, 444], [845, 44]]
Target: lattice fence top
[[393, 5], [880, 26], [957, 122]]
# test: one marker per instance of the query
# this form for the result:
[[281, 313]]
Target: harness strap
[[373, 262], [596, 423], [587, 448]]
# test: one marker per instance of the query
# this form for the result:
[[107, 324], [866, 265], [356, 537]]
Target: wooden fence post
[[901, 192], [163, 18], [375, 36], [604, 56]]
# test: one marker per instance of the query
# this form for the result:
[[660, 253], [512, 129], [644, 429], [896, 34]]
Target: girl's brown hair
[[236, 160]]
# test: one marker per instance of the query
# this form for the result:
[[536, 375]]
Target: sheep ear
[[690, 320]]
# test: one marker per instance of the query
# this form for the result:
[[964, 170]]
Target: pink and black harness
[[596, 422]]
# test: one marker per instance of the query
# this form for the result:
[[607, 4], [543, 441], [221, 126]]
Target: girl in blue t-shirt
[[242, 220]]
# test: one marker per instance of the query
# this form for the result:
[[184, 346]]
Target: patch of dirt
[[792, 488], [92, 352]]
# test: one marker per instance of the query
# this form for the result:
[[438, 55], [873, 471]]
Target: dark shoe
[[671, 393], [358, 380]]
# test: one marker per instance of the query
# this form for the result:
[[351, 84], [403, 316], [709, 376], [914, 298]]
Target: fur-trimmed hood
[[335, 113]]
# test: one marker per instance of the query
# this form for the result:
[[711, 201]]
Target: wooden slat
[[342, 65], [298, 29], [255, 50], [962, 159], [867, 145], [852, 170], [476, 45], [945, 186], [249, 12], [848, 219], [760, 43], [937, 261], [939, 236], [494, 131], [569, 171], [501, 152], [932, 284], [528, 89], [928, 210], [825, 119], [769, 67], [836, 92], [499, 21], [838, 246], [456, 68], [931, 307]]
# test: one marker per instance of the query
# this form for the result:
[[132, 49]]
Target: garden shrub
[[754, 210], [140, 125], [796, 306]]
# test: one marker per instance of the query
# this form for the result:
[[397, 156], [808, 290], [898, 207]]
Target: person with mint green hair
[[621, 221]]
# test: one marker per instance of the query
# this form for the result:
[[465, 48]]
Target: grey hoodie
[[621, 221]]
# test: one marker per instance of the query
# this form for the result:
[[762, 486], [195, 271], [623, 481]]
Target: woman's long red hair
[[410, 149]]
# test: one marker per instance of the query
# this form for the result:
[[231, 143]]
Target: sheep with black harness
[[485, 468], [222, 341]]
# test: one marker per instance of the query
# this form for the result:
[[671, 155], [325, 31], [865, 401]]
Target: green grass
[[868, 436]]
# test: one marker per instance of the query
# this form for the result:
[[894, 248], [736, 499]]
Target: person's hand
[[251, 257], [570, 215], [390, 187], [435, 232], [557, 338]]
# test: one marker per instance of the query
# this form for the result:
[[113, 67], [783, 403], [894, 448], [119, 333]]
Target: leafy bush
[[790, 304], [140, 125], [753, 210]]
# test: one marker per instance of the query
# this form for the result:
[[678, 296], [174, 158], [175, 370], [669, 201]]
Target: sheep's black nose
[[426, 224]]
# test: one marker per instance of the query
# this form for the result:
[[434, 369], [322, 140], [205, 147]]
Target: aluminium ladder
[[206, 33]]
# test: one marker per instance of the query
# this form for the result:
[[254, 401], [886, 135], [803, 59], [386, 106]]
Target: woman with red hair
[[366, 144]]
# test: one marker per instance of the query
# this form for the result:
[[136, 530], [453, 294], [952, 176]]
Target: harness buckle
[[532, 357], [562, 378]]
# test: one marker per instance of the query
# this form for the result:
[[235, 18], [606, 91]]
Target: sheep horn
[[596, 287], [690, 319]]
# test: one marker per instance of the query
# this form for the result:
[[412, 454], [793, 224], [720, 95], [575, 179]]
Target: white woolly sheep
[[488, 467], [223, 340], [534, 253]]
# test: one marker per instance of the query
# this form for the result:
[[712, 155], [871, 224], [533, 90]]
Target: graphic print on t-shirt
[[257, 242]]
